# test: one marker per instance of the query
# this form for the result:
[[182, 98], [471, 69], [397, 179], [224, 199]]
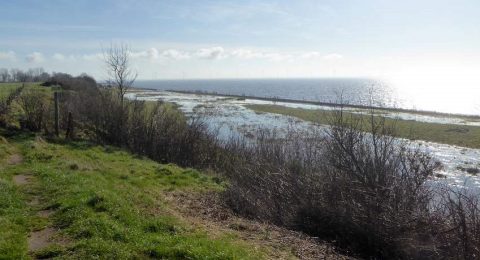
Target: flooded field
[[229, 116]]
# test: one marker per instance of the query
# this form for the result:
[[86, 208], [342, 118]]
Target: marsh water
[[461, 98], [230, 116]]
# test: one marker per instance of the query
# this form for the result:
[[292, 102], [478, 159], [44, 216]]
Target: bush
[[152, 129], [458, 217], [271, 177], [375, 196], [366, 192], [36, 106]]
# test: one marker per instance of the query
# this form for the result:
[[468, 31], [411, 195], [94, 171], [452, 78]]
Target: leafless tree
[[4, 75], [22, 76], [121, 75], [14, 74]]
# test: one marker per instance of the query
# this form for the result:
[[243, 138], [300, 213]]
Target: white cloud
[[35, 57], [140, 54], [175, 54], [333, 56], [274, 56], [311, 55], [58, 56], [152, 53], [216, 53], [253, 54], [247, 54], [61, 57], [8, 55], [211, 53], [93, 57]]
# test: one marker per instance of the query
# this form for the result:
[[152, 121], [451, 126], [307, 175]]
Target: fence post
[[55, 95], [69, 134]]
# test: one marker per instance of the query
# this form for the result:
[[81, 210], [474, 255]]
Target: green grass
[[6, 88], [107, 204], [466, 136]]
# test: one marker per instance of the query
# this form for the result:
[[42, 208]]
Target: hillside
[[78, 200]]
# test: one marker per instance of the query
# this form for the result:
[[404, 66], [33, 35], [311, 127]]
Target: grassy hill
[[77, 200]]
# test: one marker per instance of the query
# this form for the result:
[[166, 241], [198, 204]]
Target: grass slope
[[466, 136], [102, 203], [6, 88]]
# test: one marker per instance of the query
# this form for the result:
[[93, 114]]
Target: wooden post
[[55, 95], [69, 134]]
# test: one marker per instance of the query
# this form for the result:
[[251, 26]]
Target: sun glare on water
[[441, 89]]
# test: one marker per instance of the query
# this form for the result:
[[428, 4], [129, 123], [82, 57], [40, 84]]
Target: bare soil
[[208, 211], [40, 239], [21, 179], [15, 159]]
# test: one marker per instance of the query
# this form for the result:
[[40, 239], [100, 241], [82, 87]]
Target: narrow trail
[[44, 237]]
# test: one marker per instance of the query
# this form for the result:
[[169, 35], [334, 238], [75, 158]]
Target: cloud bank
[[209, 53]]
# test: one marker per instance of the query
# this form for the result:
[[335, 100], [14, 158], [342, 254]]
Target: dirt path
[[15, 159], [21, 179], [40, 239], [37, 239]]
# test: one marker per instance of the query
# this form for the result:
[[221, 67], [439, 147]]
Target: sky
[[429, 42]]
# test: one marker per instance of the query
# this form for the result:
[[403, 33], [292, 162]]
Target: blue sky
[[407, 40]]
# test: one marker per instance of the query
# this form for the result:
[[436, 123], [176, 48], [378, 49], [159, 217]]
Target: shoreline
[[327, 104]]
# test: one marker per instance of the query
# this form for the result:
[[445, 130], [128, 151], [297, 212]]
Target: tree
[[4, 75], [14, 74], [22, 76], [121, 75]]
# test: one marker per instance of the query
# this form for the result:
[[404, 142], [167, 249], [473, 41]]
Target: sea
[[359, 91]]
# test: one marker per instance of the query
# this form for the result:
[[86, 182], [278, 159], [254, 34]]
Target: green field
[[104, 203], [466, 136], [6, 88]]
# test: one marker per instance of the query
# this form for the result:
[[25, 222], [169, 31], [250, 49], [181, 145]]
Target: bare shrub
[[375, 195], [366, 191], [458, 217], [164, 134], [36, 106], [271, 177]]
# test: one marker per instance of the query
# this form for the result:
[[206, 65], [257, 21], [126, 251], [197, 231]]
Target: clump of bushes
[[458, 217], [153, 129], [369, 193]]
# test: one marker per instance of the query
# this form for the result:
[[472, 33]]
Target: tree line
[[18, 75]]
